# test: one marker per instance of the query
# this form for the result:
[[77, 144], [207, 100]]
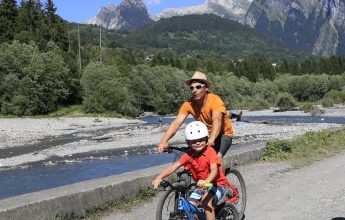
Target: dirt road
[[276, 192]]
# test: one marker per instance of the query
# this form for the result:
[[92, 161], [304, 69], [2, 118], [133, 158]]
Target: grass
[[305, 150], [69, 111], [76, 111], [123, 204]]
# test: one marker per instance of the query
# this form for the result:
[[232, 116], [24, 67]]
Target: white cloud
[[151, 2]]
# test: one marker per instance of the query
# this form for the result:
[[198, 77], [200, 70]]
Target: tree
[[285, 102], [34, 82], [50, 12], [29, 21], [57, 30], [8, 14], [105, 92]]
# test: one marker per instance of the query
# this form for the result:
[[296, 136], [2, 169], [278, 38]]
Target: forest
[[47, 64]]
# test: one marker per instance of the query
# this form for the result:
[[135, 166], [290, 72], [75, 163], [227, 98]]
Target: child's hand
[[156, 182], [201, 183]]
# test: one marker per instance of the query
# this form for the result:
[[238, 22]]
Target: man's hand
[[210, 142], [156, 182], [162, 146]]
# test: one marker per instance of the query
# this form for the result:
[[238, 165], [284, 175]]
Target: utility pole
[[69, 42], [100, 43], [79, 54]]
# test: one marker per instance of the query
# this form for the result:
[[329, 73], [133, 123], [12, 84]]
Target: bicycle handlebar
[[166, 183], [208, 185], [170, 149]]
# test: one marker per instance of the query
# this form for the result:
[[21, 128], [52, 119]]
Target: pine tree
[[50, 12], [57, 29], [8, 14], [29, 21]]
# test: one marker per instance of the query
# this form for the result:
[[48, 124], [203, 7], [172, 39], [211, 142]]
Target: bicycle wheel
[[228, 212], [168, 203], [236, 179]]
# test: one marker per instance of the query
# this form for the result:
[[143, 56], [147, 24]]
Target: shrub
[[336, 96], [278, 150], [327, 102], [307, 107], [285, 102]]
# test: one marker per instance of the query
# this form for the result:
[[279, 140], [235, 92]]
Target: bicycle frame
[[190, 209], [234, 190]]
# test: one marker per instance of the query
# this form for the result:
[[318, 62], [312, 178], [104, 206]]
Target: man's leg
[[222, 145]]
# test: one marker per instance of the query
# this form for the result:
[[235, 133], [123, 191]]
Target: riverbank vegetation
[[43, 69], [123, 204], [310, 147]]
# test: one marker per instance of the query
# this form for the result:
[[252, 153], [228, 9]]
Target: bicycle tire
[[168, 202], [236, 179], [228, 212]]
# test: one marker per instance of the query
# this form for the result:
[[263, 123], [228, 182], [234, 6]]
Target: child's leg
[[195, 199], [210, 199], [207, 204]]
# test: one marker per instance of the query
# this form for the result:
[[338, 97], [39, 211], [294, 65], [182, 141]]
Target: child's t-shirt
[[200, 165]]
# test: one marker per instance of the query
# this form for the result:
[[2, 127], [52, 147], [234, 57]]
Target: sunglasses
[[193, 142], [196, 87]]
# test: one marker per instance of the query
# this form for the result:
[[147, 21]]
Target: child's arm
[[168, 171], [211, 176]]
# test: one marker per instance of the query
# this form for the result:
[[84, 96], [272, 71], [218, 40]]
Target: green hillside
[[205, 34]]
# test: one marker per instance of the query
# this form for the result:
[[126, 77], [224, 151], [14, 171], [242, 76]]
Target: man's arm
[[216, 127], [174, 126]]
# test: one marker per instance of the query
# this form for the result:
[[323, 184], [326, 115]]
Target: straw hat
[[201, 77]]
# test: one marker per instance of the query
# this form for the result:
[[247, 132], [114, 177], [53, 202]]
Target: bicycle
[[168, 205], [183, 210]]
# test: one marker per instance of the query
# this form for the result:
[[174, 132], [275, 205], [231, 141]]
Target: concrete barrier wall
[[78, 197]]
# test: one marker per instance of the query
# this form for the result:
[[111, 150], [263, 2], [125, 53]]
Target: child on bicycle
[[204, 165]]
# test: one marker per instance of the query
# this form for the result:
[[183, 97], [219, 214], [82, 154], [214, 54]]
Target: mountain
[[104, 16], [313, 26], [230, 9], [202, 34], [129, 15]]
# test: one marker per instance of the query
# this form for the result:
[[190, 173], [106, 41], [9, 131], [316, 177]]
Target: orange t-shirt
[[200, 165], [213, 104]]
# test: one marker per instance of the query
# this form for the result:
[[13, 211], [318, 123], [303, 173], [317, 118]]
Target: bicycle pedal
[[177, 216]]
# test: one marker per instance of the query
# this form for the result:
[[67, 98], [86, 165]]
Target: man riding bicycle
[[208, 108]]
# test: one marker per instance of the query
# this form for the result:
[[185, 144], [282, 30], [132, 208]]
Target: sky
[[82, 10]]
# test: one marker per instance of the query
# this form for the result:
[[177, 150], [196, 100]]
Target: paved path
[[277, 193]]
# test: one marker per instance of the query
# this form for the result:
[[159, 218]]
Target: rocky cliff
[[231, 9], [314, 26], [129, 15]]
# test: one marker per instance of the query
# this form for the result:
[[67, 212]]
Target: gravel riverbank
[[25, 141]]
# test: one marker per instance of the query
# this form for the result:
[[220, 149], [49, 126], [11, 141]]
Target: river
[[34, 178]]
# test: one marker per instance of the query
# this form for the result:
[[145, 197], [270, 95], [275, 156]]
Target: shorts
[[222, 144], [197, 194]]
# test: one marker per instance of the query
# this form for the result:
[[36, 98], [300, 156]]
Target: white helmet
[[196, 130]]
